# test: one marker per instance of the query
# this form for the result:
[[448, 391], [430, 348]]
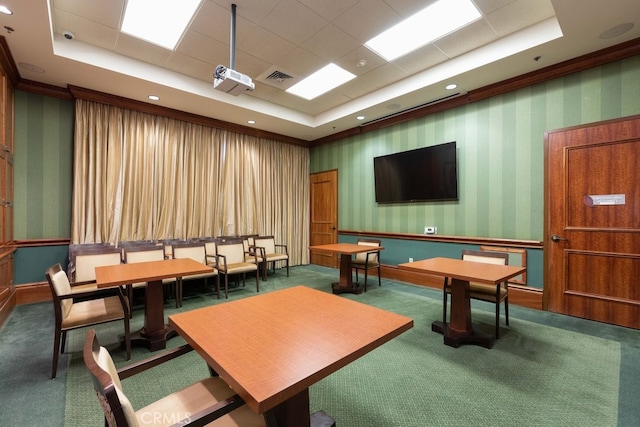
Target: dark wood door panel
[[324, 215], [592, 221]]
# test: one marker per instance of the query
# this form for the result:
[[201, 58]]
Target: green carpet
[[534, 375]]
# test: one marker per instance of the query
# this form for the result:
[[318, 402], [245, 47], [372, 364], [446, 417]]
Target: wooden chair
[[209, 249], [207, 402], [97, 306], [482, 291], [232, 259], [252, 254], [197, 252], [142, 253], [270, 252], [84, 258], [367, 260]]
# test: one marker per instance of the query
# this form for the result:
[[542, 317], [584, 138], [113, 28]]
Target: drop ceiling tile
[[350, 60], [252, 10], [190, 66], [302, 63], [330, 43], [327, 9], [139, 49], [423, 58], [205, 49], [85, 30], [488, 6], [518, 15], [406, 8], [367, 19], [472, 36], [107, 13], [266, 45], [293, 21]]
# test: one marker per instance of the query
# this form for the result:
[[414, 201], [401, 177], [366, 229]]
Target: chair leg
[[226, 286], [365, 278], [130, 299], [218, 285], [257, 282], [506, 310], [444, 301], [287, 268], [498, 319], [379, 278], [179, 292], [127, 337], [56, 349]]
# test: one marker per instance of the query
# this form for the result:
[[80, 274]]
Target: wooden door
[[592, 222], [324, 215]]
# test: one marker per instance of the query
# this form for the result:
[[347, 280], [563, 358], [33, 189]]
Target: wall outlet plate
[[430, 229]]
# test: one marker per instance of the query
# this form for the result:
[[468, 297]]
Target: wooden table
[[155, 332], [460, 330], [346, 251], [272, 347]]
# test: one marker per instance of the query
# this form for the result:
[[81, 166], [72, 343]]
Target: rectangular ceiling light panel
[[323, 80], [160, 22], [431, 23]]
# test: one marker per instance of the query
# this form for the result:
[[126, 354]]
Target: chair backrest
[[232, 250], [168, 246], [117, 409], [85, 262], [195, 251], [499, 258], [59, 285], [266, 242], [133, 254], [373, 256]]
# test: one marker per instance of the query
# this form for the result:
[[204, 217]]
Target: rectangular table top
[[464, 270], [122, 274], [272, 346], [346, 248]]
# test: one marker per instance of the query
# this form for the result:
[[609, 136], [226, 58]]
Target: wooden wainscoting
[[522, 296]]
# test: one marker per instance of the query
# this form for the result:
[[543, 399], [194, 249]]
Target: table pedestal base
[[155, 341], [336, 288], [321, 419], [454, 339]]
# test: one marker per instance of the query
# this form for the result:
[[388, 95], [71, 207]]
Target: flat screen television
[[423, 174]]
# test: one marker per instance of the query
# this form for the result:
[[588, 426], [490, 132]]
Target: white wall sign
[[604, 199]]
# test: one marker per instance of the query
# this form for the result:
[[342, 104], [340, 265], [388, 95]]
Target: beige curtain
[[138, 176]]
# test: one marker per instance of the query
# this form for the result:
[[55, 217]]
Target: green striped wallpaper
[[500, 156], [43, 163]]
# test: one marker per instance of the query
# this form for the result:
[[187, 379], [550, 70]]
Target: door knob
[[557, 238]]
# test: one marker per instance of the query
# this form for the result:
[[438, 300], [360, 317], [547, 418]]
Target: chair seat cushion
[[241, 267], [194, 398], [199, 276], [276, 257], [361, 263], [484, 291], [93, 311]]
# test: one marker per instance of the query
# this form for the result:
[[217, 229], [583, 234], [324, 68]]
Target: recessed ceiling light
[[451, 86], [161, 22], [154, 97], [616, 31], [431, 23], [360, 117], [323, 80], [5, 10], [251, 122]]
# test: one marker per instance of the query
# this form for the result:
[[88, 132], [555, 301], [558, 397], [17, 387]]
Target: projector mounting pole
[[232, 43]]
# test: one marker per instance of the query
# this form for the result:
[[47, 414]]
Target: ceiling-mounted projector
[[231, 81]]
